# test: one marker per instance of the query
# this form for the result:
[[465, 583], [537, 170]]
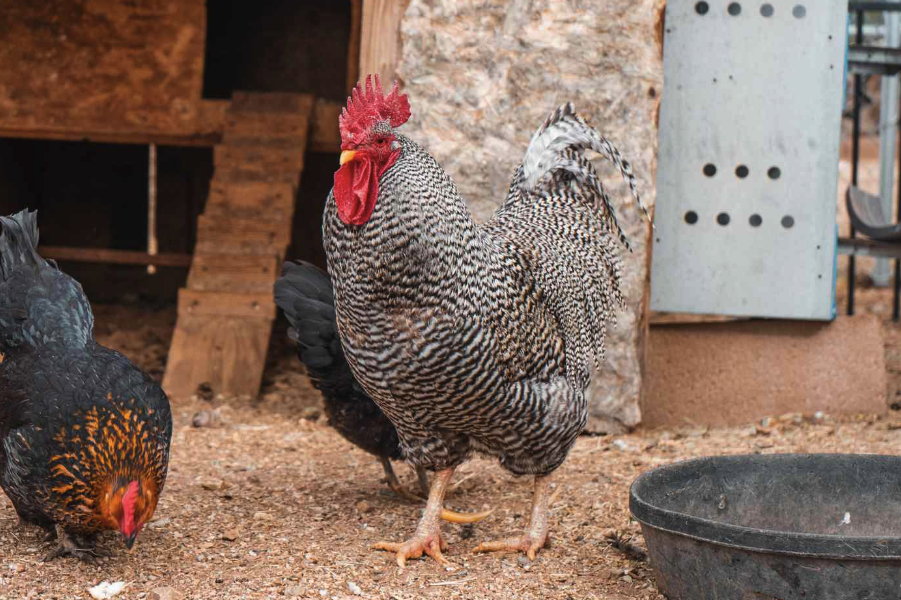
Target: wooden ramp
[[226, 311]]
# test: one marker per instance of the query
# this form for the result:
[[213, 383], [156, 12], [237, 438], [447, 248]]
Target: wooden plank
[[380, 38], [287, 104], [229, 354], [258, 160], [233, 272], [91, 67], [229, 235], [324, 134], [225, 304], [118, 257], [251, 199], [270, 125]]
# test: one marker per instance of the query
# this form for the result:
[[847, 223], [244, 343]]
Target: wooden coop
[[239, 98]]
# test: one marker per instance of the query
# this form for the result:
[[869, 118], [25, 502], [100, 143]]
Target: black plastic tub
[[780, 526]]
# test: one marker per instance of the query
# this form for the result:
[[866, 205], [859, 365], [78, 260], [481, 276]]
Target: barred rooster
[[304, 293], [473, 338], [84, 433]]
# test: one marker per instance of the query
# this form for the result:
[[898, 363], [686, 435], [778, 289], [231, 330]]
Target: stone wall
[[483, 75]]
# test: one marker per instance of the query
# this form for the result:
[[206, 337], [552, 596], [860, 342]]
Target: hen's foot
[[70, 545], [535, 536]]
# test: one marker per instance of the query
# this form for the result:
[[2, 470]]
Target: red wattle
[[356, 190]]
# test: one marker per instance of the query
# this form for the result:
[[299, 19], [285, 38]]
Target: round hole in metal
[[723, 219], [788, 221], [741, 171], [691, 217], [701, 8], [734, 9], [709, 169], [755, 220], [799, 12], [766, 10], [774, 172]]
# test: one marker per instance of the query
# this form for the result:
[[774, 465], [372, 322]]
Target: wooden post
[[380, 38]]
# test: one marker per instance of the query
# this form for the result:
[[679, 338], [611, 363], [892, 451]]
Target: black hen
[[84, 433], [304, 293]]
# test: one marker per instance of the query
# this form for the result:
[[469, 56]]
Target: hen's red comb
[[368, 106]]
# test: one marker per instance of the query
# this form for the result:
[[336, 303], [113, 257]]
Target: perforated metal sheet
[[749, 94]]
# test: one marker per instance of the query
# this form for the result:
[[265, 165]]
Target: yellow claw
[[347, 156], [452, 516]]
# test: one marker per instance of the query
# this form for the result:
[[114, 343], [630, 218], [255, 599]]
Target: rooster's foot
[[535, 536], [527, 543], [431, 544]]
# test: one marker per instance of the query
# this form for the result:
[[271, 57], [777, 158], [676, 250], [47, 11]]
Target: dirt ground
[[272, 503]]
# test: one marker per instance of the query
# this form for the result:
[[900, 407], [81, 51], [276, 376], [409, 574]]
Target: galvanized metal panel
[[747, 94]]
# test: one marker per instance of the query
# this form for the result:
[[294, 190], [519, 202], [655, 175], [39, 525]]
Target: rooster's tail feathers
[[558, 147]]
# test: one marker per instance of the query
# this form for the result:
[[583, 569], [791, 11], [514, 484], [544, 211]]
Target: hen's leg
[[535, 535], [427, 539], [423, 481], [69, 545], [395, 485]]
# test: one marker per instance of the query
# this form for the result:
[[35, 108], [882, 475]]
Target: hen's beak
[[347, 156], [130, 540]]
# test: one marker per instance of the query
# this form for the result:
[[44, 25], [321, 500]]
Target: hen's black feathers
[[75, 417], [38, 303], [304, 293]]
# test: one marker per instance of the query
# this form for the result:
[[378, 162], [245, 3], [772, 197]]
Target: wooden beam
[[117, 257], [380, 38], [324, 136]]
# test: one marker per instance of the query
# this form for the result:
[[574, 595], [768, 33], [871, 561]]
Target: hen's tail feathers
[[304, 293], [18, 243], [556, 155], [39, 304]]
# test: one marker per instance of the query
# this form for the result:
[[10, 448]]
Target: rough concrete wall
[[483, 75]]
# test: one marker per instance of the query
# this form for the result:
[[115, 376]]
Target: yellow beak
[[347, 156]]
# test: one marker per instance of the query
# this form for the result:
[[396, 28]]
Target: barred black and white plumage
[[481, 338]]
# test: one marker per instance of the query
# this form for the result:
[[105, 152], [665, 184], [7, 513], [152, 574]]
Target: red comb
[[368, 106]]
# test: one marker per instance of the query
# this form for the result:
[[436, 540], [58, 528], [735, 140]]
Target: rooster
[[304, 293], [84, 433], [473, 338]]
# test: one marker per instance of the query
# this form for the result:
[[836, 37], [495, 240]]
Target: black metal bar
[[855, 160], [873, 6], [896, 293], [875, 60]]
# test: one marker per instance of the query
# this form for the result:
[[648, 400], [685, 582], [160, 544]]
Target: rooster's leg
[[535, 535], [69, 545], [451, 516], [427, 539]]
